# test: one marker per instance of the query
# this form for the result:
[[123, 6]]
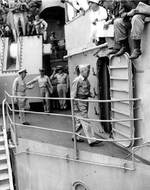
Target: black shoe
[[78, 140], [26, 123], [112, 51], [121, 51], [95, 143], [136, 53]]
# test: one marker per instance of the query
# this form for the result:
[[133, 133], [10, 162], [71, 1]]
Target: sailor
[[40, 27], [10, 18], [98, 16], [130, 17], [54, 42], [19, 89], [138, 21], [62, 85], [20, 15], [45, 87], [81, 90]]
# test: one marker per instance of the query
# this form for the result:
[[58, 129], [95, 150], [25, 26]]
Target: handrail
[[69, 132], [83, 100], [78, 161], [131, 138], [6, 147], [86, 49], [85, 119]]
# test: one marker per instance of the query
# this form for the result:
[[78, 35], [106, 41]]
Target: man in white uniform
[[19, 89], [45, 87], [40, 27], [98, 16]]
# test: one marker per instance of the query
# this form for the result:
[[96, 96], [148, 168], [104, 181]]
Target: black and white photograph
[[74, 94]]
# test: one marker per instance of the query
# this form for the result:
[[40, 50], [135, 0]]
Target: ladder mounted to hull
[[121, 87]]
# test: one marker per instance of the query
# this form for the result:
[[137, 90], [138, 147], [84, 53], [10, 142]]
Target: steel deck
[[63, 139]]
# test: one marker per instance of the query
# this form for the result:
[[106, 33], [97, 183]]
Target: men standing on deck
[[19, 89], [46, 88], [81, 90]]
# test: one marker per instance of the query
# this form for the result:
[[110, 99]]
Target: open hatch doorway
[[104, 92]]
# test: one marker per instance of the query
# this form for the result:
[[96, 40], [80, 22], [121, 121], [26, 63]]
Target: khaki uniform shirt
[[80, 88], [19, 87]]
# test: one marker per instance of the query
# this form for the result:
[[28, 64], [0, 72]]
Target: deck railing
[[11, 119], [6, 146]]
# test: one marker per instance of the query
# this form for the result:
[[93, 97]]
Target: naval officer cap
[[59, 67], [22, 70]]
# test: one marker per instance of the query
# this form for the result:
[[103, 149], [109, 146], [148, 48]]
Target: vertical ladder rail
[[121, 87], [6, 147]]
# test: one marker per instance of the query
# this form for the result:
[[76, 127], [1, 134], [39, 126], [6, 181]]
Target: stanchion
[[74, 135]]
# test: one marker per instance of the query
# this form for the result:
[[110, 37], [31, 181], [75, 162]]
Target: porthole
[[79, 186]]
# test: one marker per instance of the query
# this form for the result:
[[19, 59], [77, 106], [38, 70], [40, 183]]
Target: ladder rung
[[120, 112], [3, 157], [119, 90], [1, 133], [118, 78], [2, 148], [118, 67], [4, 176], [123, 125], [120, 133], [5, 186], [3, 166]]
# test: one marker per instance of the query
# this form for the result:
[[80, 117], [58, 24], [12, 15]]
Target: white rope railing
[[73, 132], [74, 99], [111, 140], [84, 119]]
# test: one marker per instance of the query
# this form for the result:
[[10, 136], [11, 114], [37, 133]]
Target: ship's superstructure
[[43, 153]]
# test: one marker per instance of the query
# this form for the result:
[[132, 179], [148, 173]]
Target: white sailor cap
[[82, 67], [94, 1], [22, 70]]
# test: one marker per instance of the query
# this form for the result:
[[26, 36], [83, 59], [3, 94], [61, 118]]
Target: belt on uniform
[[82, 96], [43, 87]]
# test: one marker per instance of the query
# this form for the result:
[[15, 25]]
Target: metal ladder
[[6, 179], [121, 88]]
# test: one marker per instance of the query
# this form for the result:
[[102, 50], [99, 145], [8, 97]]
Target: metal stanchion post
[[74, 135], [14, 121]]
